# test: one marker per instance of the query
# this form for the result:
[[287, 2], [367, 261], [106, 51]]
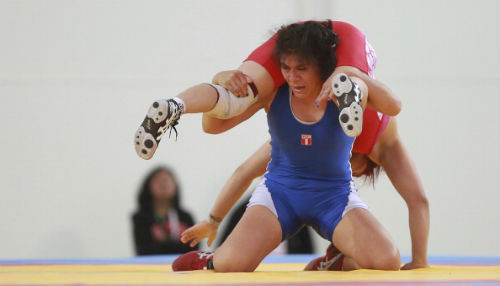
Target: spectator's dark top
[[156, 235]]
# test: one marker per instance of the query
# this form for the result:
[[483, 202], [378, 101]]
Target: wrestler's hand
[[326, 93], [233, 80], [414, 265], [200, 231]]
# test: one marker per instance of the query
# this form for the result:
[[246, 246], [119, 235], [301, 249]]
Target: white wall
[[76, 78]]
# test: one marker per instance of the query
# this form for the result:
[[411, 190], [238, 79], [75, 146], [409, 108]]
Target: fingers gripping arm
[[233, 80]]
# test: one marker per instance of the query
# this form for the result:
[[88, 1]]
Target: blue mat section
[[149, 259], [295, 258]]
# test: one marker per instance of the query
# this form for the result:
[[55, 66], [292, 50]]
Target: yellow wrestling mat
[[267, 273]]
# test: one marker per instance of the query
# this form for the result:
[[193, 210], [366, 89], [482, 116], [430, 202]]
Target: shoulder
[[142, 217], [283, 89], [341, 28]]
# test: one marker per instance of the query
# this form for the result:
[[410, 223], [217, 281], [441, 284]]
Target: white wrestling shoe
[[162, 115], [349, 98]]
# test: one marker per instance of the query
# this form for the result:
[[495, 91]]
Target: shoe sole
[[146, 137], [351, 112]]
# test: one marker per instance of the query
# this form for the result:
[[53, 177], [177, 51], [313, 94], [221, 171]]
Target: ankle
[[181, 104]]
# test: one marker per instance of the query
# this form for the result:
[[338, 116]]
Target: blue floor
[[296, 258]]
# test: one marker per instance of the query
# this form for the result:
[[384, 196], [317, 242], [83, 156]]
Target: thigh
[[360, 236], [282, 202], [255, 236]]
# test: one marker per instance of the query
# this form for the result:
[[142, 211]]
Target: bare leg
[[261, 78], [361, 237], [349, 264], [255, 236], [199, 98], [265, 87]]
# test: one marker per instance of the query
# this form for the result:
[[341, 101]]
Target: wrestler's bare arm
[[390, 153], [214, 125], [233, 189], [380, 96], [236, 81]]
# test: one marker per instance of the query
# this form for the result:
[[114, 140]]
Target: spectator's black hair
[[145, 199]]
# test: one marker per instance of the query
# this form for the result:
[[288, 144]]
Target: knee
[[390, 260], [422, 200], [419, 200], [226, 264]]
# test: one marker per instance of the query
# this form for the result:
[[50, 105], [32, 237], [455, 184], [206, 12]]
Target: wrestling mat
[[275, 270]]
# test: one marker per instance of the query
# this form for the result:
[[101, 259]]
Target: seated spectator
[[160, 220]]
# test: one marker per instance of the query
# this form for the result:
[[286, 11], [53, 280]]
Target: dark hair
[[145, 199], [371, 172], [312, 41]]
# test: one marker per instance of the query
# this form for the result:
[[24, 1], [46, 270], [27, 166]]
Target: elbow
[[418, 201], [247, 172], [396, 109], [211, 130], [392, 109], [241, 171], [243, 176], [211, 125], [423, 202]]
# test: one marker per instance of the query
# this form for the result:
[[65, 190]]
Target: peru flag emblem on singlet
[[306, 139]]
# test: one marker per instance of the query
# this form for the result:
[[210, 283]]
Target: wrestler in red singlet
[[353, 50]]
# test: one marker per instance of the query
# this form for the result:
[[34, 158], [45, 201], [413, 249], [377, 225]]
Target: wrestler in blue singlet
[[309, 175]]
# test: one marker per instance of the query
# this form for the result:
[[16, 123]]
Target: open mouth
[[298, 89]]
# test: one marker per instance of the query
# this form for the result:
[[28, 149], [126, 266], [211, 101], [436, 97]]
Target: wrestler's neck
[[305, 108], [306, 95]]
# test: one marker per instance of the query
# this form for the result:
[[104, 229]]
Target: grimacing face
[[303, 77]]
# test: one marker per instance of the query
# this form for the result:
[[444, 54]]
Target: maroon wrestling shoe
[[194, 260], [332, 261]]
